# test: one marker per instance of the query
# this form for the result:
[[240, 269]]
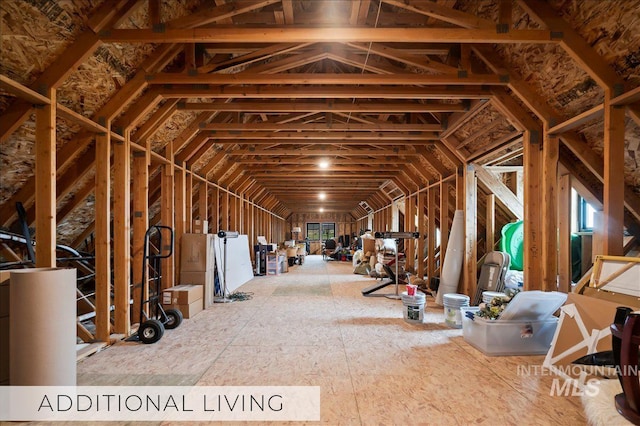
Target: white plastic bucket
[[452, 304], [413, 307]]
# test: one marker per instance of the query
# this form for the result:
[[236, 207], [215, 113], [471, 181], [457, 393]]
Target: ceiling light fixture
[[321, 210], [322, 195], [323, 164]]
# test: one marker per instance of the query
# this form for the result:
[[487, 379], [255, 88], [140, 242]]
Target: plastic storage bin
[[508, 337]]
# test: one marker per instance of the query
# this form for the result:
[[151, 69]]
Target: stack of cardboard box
[[197, 263], [185, 297]]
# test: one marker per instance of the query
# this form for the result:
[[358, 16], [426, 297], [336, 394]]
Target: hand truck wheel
[[150, 331], [174, 318]]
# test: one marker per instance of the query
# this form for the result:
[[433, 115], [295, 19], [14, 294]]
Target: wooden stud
[[613, 225], [469, 275], [422, 229], [45, 179], [533, 193], [431, 232], [180, 192], [549, 207], [103, 237], [140, 223], [188, 205], [121, 234], [167, 216], [490, 223], [409, 226], [564, 234], [444, 220]]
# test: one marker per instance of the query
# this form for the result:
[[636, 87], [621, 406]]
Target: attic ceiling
[[252, 95]]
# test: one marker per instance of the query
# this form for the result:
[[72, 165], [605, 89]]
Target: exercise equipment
[[393, 277], [153, 325]]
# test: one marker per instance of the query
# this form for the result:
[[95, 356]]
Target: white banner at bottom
[[159, 403]]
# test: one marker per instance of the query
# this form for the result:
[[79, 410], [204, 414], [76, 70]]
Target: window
[[321, 231], [587, 216], [328, 231], [313, 231]]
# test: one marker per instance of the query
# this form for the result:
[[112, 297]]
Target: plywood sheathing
[[611, 27], [34, 33], [594, 134], [477, 125], [171, 129]]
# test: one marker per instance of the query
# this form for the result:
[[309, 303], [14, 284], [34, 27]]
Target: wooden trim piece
[[533, 193]]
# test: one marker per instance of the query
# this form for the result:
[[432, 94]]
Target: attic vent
[[366, 206], [391, 190]]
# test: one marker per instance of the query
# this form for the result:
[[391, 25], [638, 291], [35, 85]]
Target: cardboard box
[[183, 294], [200, 226], [202, 278], [584, 328], [189, 310], [197, 252], [508, 337]]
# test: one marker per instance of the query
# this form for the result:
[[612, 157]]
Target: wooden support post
[[224, 210], [215, 210], [533, 193], [233, 211], [613, 218], [460, 187], [140, 225], [167, 217], [46, 183], [121, 233], [203, 202], [444, 221], [431, 231], [103, 236], [422, 229], [470, 272], [550, 153], [188, 202], [410, 226], [180, 197], [490, 223], [564, 234]]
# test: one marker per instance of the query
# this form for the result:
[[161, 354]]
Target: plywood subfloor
[[312, 326]]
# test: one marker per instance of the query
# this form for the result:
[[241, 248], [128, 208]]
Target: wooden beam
[[577, 47], [327, 92], [444, 13], [334, 106], [45, 178], [444, 220], [431, 232], [167, 214], [325, 34], [591, 114], [533, 193], [613, 213], [103, 237], [217, 14], [490, 223], [313, 127], [470, 268], [23, 92], [121, 234], [140, 222], [326, 79], [564, 234], [549, 208], [503, 193], [180, 213], [422, 229]]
